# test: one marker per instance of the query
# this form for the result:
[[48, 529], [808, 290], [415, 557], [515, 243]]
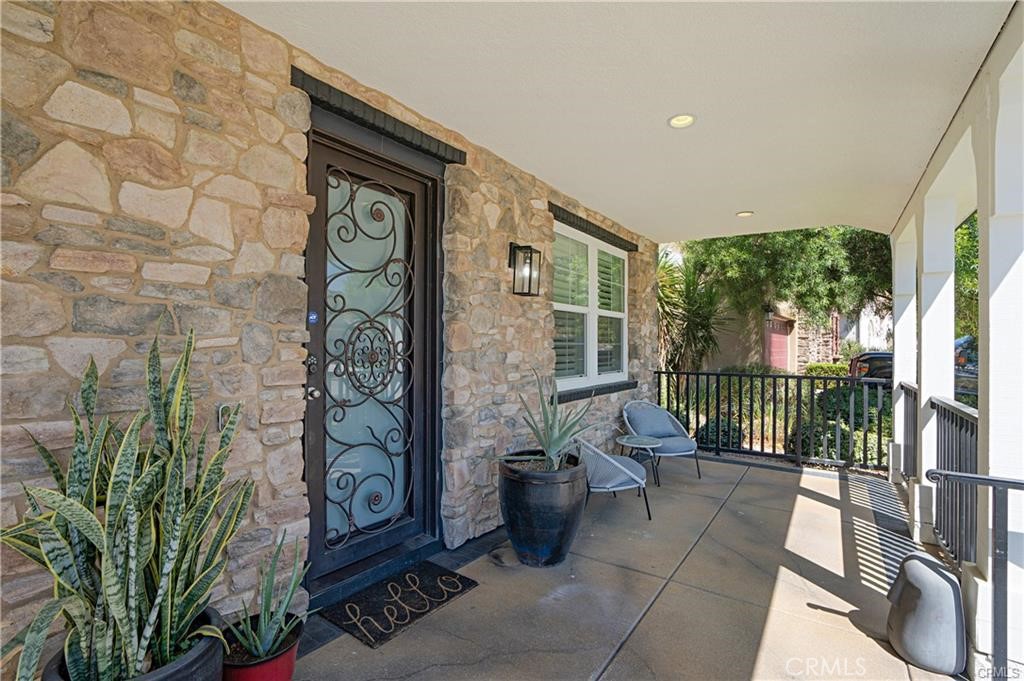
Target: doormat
[[383, 610]]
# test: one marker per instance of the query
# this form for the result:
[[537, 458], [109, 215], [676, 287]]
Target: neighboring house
[[786, 339], [754, 339], [763, 337], [872, 330], [818, 342]]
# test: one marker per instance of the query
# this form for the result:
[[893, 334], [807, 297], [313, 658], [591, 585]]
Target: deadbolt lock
[[311, 364]]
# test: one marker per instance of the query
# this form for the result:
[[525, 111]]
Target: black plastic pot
[[204, 662], [542, 511]]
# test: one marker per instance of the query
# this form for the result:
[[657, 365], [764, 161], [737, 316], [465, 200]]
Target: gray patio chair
[[606, 473], [646, 418]]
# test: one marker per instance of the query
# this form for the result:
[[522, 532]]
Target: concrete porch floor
[[754, 572]]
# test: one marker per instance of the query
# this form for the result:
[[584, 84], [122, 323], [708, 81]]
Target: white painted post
[[935, 345], [904, 336], [1001, 353]]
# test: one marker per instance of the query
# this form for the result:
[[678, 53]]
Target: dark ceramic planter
[[204, 662], [542, 511], [279, 667]]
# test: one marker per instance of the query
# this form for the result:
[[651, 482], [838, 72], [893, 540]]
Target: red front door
[[777, 344]]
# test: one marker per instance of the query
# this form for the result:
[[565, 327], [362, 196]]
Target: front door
[[778, 344], [371, 271]]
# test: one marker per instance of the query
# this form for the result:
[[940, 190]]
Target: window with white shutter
[[590, 301]]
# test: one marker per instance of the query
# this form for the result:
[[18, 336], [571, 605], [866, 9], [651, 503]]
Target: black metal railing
[[837, 420], [1000, 551], [956, 506], [908, 449]]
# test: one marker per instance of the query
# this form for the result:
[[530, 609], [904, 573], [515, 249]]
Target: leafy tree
[[690, 312], [818, 270], [965, 276], [848, 349]]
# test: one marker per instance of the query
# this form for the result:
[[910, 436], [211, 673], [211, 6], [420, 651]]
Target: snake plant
[[272, 622], [554, 427], [134, 541]]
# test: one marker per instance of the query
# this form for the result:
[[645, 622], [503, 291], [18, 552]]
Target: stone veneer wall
[[153, 169], [816, 342], [494, 339]]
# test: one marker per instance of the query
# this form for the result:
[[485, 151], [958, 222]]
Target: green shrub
[[741, 409], [832, 442], [737, 394], [826, 369], [833, 404], [970, 399], [732, 394], [752, 369], [728, 432], [828, 435], [819, 439]]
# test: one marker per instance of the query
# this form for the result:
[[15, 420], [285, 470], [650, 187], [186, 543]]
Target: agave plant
[[272, 622], [134, 543], [553, 428]]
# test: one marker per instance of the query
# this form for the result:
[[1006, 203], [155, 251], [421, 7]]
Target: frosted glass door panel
[[368, 370]]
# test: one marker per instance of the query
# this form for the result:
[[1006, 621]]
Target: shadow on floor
[[751, 572]]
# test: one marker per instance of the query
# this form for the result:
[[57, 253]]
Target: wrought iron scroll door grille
[[370, 402]]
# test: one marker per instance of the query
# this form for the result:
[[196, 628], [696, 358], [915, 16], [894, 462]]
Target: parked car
[[966, 352], [878, 364], [965, 379], [871, 364]]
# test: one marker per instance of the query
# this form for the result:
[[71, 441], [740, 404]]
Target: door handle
[[312, 393]]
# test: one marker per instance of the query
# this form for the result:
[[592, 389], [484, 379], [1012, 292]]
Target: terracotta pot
[[278, 667], [204, 662], [542, 511]]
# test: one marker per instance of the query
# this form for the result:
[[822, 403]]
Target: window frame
[[592, 311]]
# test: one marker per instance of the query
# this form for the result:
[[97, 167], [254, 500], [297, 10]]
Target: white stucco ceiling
[[807, 113]]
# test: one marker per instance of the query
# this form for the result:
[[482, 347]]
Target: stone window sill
[[594, 390]]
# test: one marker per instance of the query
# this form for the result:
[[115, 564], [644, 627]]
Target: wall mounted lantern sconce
[[525, 264], [769, 312]]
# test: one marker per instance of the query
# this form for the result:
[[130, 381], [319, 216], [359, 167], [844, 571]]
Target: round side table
[[644, 444]]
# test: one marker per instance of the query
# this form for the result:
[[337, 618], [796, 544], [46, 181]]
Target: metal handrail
[[965, 410], [936, 474], [1000, 554], [859, 379], [956, 445], [791, 416], [908, 448]]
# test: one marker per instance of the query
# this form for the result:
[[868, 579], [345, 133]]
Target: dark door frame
[[358, 141]]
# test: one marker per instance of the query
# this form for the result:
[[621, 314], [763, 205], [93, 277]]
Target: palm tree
[[690, 313]]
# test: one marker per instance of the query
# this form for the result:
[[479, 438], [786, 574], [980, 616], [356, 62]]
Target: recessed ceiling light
[[745, 214], [682, 120]]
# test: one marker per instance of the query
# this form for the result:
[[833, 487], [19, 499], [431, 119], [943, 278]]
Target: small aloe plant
[[134, 543], [555, 428], [273, 622]]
